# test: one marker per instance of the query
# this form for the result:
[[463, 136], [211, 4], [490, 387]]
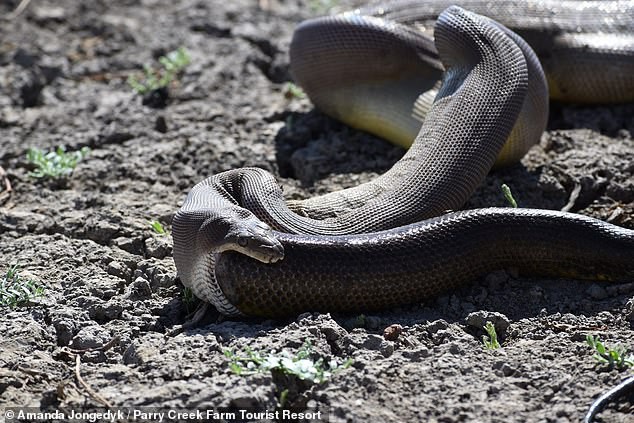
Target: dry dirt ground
[[107, 276]]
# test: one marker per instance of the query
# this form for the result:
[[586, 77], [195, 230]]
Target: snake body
[[586, 49], [384, 269], [238, 246]]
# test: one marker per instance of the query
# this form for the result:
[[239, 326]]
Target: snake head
[[255, 239]]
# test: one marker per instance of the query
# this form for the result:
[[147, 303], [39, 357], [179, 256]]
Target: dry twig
[[94, 395], [18, 10]]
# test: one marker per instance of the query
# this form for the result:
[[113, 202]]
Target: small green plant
[[154, 78], [509, 195], [54, 164], [322, 6], [614, 357], [16, 290], [293, 91], [490, 342], [299, 365], [158, 227], [283, 398]]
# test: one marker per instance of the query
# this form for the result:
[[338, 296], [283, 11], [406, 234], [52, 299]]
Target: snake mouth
[[256, 242], [276, 252]]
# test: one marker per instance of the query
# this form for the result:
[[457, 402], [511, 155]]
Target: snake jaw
[[256, 240]]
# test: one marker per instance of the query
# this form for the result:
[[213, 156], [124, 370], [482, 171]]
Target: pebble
[[158, 247], [392, 332], [478, 320]]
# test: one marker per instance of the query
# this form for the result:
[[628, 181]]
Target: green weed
[[293, 91], [158, 227], [322, 6], [16, 290], [508, 195], [614, 357], [54, 164], [155, 78], [490, 342], [299, 365]]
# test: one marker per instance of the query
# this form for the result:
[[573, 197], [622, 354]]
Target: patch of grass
[[293, 91], [322, 6], [299, 365], [16, 290], [614, 357], [158, 227], [508, 195], [155, 78], [283, 398], [54, 164], [490, 342]]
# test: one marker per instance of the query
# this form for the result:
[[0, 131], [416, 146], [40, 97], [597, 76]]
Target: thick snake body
[[413, 263], [234, 226], [586, 49]]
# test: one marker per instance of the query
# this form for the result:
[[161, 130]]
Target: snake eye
[[242, 241]]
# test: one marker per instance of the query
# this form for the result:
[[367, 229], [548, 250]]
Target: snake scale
[[238, 245]]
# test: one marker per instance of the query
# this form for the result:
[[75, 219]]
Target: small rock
[[9, 117], [126, 244], [31, 89], [101, 231], [116, 268], [64, 329], [45, 14], [454, 348], [156, 98], [332, 331], [140, 354], [109, 310], [139, 289], [24, 58], [158, 247], [162, 212], [373, 342], [392, 332], [90, 337], [437, 325], [386, 348], [160, 124], [478, 320], [503, 368]]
